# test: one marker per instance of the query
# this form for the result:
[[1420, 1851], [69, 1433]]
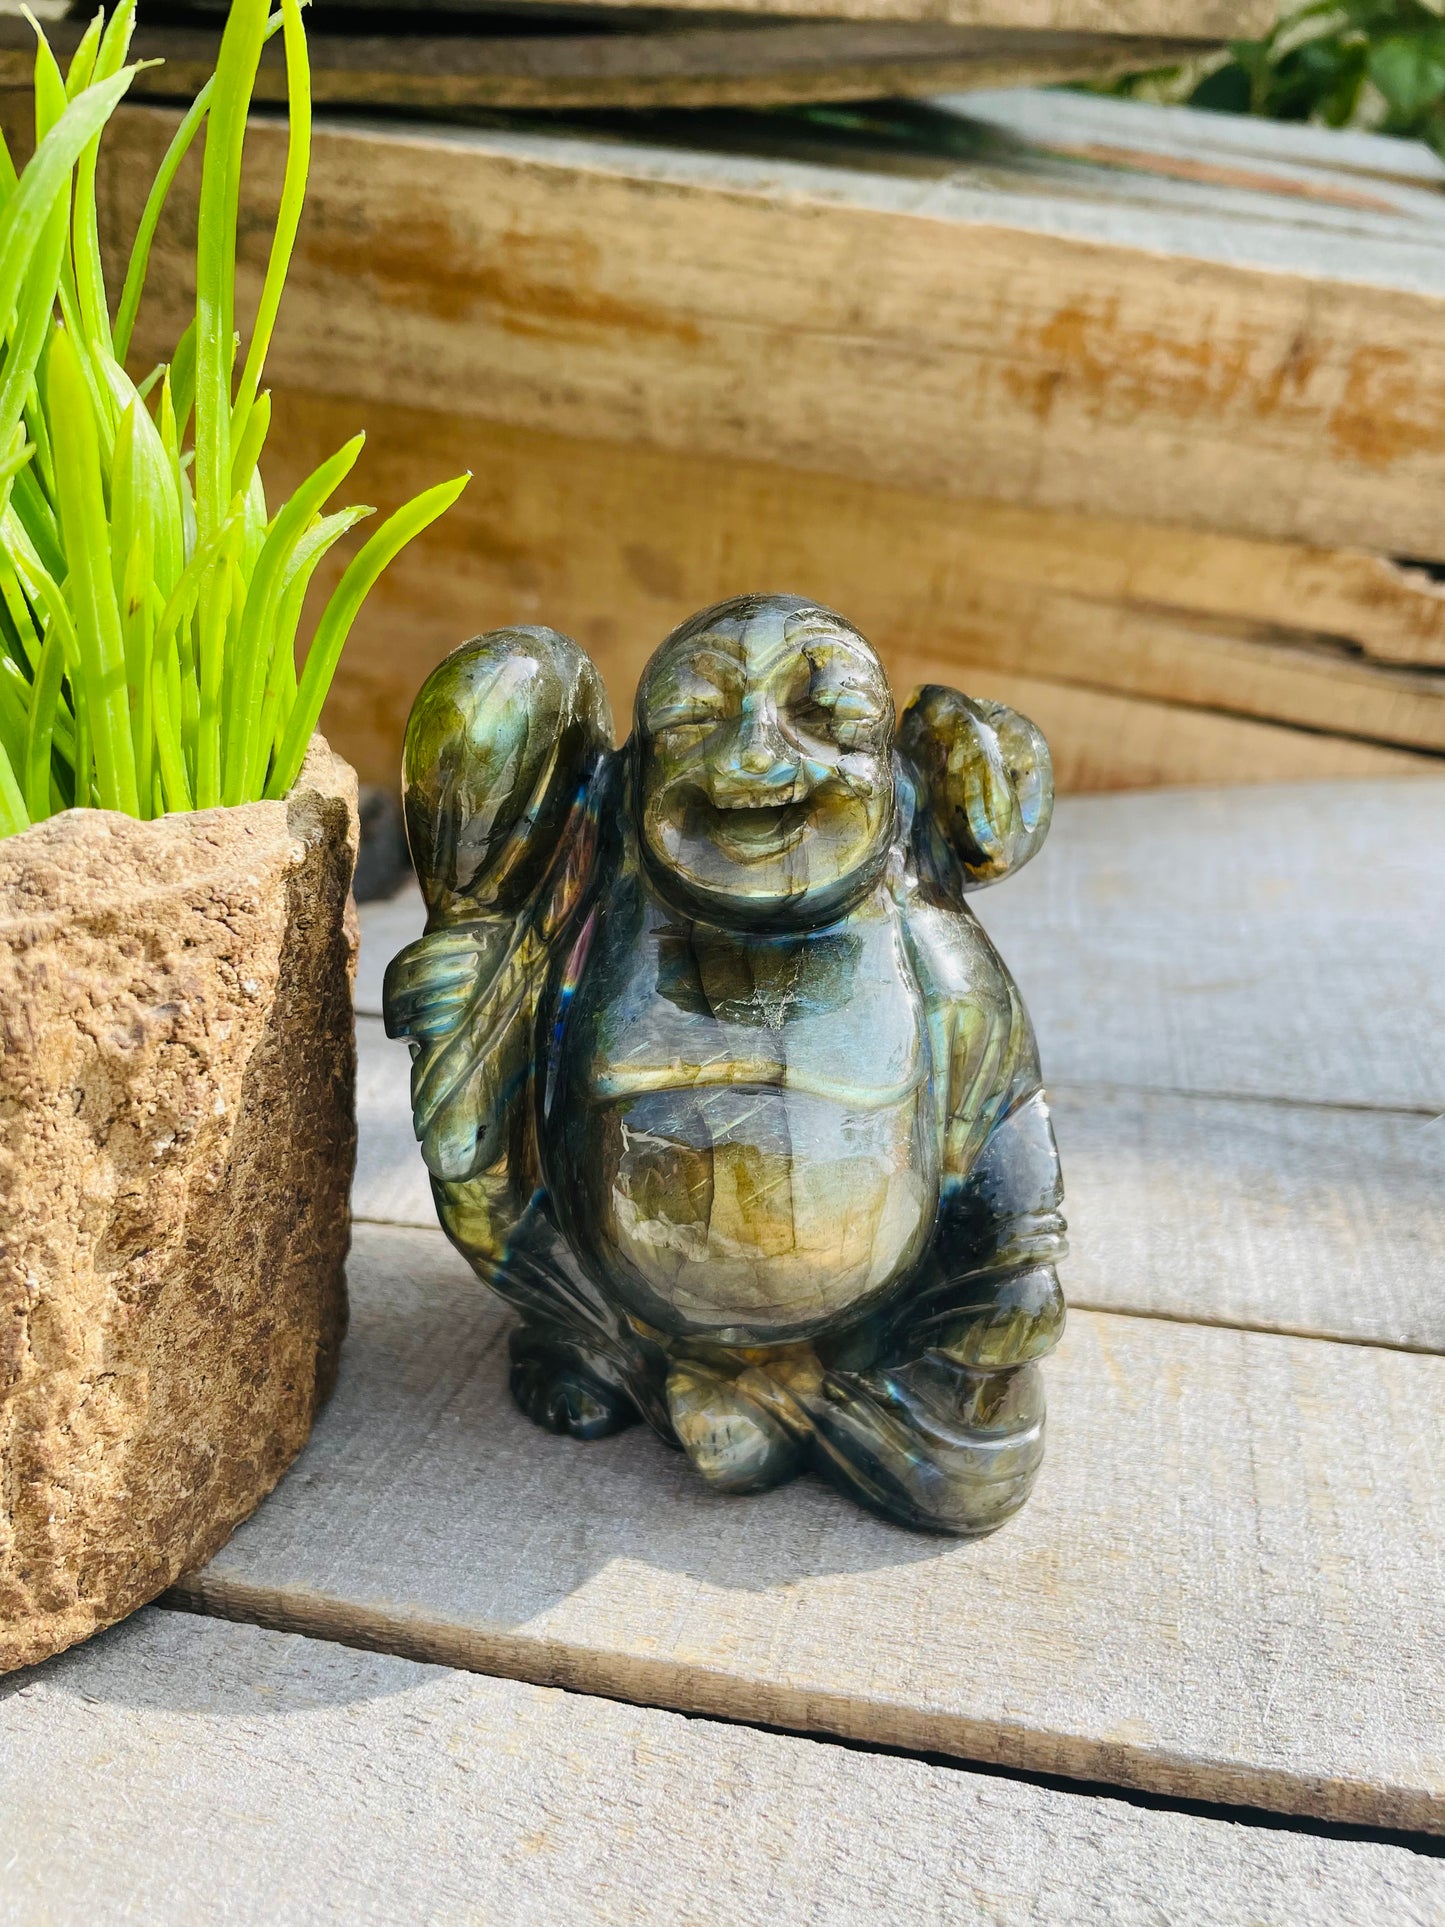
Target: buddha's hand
[[431, 984], [985, 786]]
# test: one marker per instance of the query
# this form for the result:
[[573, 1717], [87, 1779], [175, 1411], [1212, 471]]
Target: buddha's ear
[[985, 787], [502, 737]]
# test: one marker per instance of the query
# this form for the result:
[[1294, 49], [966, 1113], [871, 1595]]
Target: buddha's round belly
[[758, 1212]]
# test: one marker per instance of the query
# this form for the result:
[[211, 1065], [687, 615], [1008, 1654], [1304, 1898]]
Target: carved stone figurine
[[719, 1082]]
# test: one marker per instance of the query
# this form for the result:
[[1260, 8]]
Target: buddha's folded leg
[[735, 1428], [930, 1444]]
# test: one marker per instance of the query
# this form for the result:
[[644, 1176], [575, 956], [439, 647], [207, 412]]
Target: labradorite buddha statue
[[720, 1084]]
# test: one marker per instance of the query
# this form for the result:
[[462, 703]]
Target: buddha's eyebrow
[[703, 663], [843, 666]]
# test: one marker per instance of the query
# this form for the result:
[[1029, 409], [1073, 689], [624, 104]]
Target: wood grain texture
[[1224, 1587], [1281, 941], [1153, 654], [1257, 363], [1214, 19], [1091, 125], [672, 63], [251, 1775], [1276, 1216], [1279, 1217]]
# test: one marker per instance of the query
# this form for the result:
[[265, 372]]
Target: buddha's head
[[764, 738]]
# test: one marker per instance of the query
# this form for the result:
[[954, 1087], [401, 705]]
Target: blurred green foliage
[[1378, 64]]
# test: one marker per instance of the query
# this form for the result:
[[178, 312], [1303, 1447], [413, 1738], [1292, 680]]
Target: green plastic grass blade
[[37, 517], [281, 676], [170, 756], [138, 635], [50, 94], [82, 764], [13, 817], [13, 597], [39, 433], [82, 61], [214, 350], [218, 593], [216, 258], [91, 588], [14, 710], [288, 216], [31, 327], [12, 465], [341, 611], [134, 286], [23, 217], [143, 491], [145, 234], [251, 442], [183, 380], [85, 233], [40, 736], [263, 596]]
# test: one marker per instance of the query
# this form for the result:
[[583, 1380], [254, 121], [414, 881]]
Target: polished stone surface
[[719, 1082]]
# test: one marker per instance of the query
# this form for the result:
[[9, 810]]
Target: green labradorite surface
[[719, 1082]]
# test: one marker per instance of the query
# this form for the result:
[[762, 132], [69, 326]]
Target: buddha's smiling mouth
[[757, 835]]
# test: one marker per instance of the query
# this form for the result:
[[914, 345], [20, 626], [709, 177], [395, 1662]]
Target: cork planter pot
[[177, 1139]]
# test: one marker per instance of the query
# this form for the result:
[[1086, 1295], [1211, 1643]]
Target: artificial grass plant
[[149, 597]]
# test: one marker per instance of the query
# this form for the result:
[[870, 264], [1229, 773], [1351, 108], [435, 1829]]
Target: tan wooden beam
[[1113, 349], [1151, 653], [672, 62], [1216, 19]]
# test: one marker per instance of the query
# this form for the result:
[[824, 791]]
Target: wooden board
[[1282, 1217], [1278, 942], [250, 1775], [1201, 147], [1279, 1217], [1051, 334], [1218, 19], [670, 61], [1153, 654], [1225, 1586]]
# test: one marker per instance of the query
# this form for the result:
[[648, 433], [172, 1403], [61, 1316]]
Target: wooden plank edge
[[750, 63], [807, 1712]]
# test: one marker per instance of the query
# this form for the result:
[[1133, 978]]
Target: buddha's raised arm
[[505, 749], [985, 787]]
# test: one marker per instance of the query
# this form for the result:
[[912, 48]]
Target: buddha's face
[[764, 738]]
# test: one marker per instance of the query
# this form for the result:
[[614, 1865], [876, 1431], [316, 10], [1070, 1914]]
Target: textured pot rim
[[182, 830]]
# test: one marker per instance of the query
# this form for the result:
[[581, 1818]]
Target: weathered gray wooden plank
[[1296, 1218], [1225, 1587], [1284, 941], [1079, 123], [248, 1776], [1293, 1218]]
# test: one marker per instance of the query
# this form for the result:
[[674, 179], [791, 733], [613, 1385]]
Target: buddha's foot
[[563, 1392], [736, 1444]]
